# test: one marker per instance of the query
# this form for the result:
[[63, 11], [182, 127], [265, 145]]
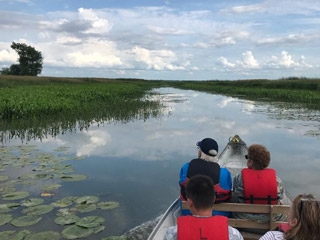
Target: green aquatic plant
[[44, 236], [73, 178], [7, 207], [64, 202], [37, 210], [108, 205], [4, 178], [25, 221], [14, 235], [87, 200], [84, 208], [90, 221], [66, 219], [31, 202], [5, 218], [74, 232], [15, 195], [50, 187]]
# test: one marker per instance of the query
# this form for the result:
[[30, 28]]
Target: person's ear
[[293, 222], [190, 203], [199, 153]]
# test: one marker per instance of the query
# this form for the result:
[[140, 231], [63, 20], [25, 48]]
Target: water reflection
[[137, 163]]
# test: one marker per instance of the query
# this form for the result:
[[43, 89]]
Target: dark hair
[[200, 189], [259, 155], [306, 209]]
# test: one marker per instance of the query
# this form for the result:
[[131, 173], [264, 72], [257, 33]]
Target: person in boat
[[257, 184], [206, 164], [303, 221], [201, 225]]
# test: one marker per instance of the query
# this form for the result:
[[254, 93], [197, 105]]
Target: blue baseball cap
[[208, 146]]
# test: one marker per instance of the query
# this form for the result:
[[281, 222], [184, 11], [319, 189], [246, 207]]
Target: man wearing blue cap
[[206, 164]]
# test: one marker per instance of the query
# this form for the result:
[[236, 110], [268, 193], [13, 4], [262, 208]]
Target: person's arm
[[280, 189], [183, 179], [237, 194]]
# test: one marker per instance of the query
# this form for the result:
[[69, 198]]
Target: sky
[[170, 40]]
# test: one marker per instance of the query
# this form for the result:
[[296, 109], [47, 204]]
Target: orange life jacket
[[260, 186], [198, 228]]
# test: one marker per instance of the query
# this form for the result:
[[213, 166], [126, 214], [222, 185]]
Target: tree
[[30, 61]]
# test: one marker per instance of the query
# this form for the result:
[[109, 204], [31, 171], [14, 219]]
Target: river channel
[[137, 163]]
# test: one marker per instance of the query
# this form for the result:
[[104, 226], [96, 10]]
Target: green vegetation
[[35, 107], [297, 90]]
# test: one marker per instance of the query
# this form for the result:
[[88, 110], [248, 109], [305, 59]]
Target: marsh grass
[[32, 107], [289, 90]]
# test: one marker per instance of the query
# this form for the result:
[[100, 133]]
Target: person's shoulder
[[234, 234], [273, 235]]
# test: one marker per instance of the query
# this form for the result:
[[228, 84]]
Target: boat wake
[[142, 231]]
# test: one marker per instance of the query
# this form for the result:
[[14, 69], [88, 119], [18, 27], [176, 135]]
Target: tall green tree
[[30, 61]]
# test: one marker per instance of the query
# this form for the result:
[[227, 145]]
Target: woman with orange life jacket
[[303, 221], [257, 184], [201, 225], [206, 164]]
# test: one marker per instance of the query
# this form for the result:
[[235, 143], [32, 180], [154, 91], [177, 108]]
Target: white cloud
[[92, 53], [224, 62], [284, 60], [8, 56], [248, 60], [245, 9], [99, 25], [156, 59], [292, 38], [169, 31]]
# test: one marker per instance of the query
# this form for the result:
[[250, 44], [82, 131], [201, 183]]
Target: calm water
[[137, 164]]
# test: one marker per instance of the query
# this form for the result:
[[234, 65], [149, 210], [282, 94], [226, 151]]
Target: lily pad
[[64, 211], [37, 176], [7, 207], [15, 195], [48, 235], [64, 202], [32, 202], [38, 210], [73, 178], [3, 178], [90, 221], [67, 219], [74, 232], [108, 205], [87, 199], [50, 187], [99, 229], [25, 221], [12, 235], [5, 218], [84, 208], [61, 149]]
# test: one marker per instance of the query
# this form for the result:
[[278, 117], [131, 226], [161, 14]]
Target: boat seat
[[250, 224]]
